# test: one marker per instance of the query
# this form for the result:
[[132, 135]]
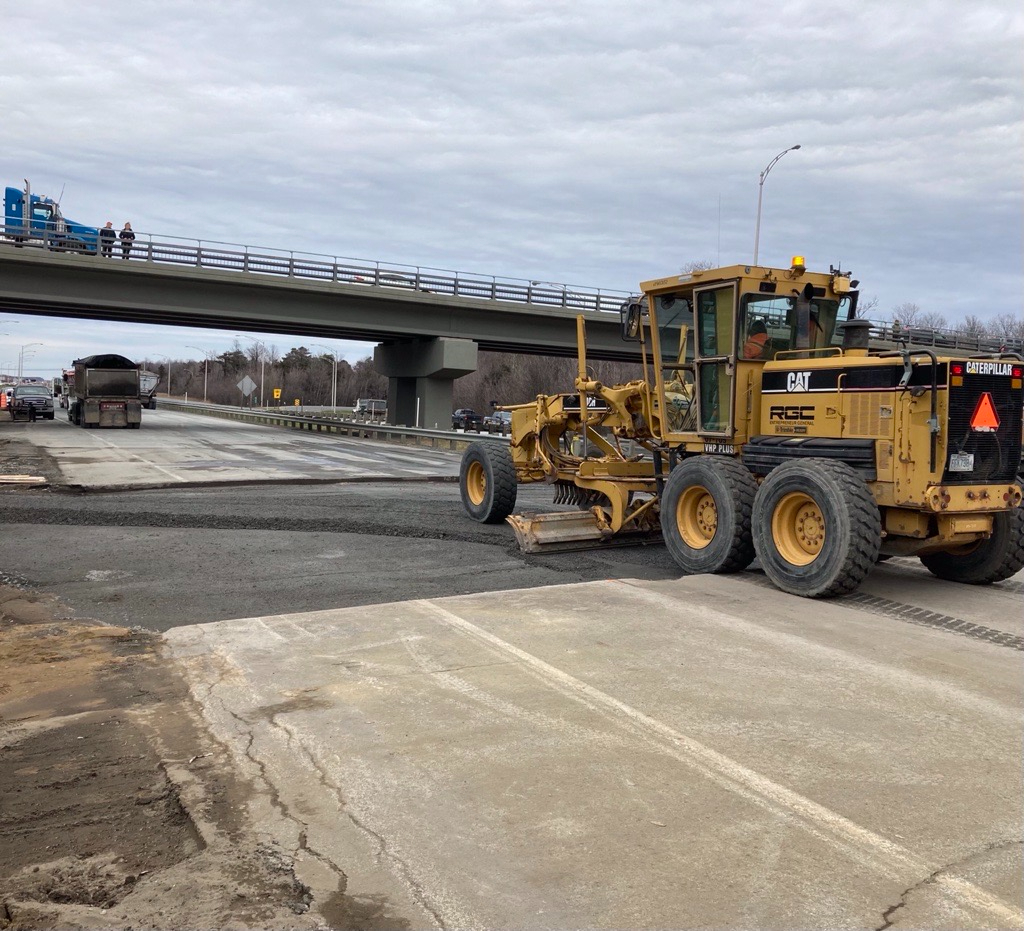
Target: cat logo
[[797, 381]]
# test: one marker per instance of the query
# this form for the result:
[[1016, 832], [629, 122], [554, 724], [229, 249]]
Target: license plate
[[961, 462]]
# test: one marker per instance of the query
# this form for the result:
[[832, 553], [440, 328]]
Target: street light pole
[[334, 383], [760, 192], [21, 358], [206, 365]]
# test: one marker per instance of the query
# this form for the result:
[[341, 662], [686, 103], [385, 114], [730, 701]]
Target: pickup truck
[[31, 402], [499, 422], [466, 419]]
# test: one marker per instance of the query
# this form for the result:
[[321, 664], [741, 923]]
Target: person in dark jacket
[[127, 238], [107, 237]]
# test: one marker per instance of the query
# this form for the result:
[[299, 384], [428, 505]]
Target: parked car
[[31, 402], [466, 419], [499, 422]]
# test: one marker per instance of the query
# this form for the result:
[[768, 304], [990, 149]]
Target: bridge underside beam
[[421, 375]]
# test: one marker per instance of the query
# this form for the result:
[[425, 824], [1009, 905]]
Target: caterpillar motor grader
[[774, 431]]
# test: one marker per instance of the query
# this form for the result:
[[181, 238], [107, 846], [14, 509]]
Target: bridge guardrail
[[939, 338], [206, 254]]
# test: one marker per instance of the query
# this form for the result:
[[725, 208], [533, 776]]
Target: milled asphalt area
[[178, 449], [629, 750]]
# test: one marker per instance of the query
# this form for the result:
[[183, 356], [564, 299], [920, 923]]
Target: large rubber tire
[[705, 515], [817, 529], [487, 482], [991, 560]]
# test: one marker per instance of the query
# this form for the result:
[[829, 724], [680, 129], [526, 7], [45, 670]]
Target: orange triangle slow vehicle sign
[[985, 418]]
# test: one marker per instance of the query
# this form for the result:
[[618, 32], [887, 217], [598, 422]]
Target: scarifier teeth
[[565, 493]]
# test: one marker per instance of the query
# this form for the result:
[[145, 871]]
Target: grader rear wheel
[[487, 482], [988, 561], [705, 515], [817, 529]]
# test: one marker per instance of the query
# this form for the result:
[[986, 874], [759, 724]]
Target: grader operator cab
[[778, 434]]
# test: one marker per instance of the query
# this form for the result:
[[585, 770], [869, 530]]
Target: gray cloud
[[599, 143]]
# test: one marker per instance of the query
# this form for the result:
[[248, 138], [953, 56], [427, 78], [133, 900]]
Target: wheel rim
[[697, 517], [798, 529], [476, 483]]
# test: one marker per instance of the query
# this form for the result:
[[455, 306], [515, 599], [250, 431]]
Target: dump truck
[[33, 218], [782, 434], [105, 392]]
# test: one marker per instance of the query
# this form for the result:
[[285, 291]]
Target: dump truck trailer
[[105, 392], [148, 382], [781, 435]]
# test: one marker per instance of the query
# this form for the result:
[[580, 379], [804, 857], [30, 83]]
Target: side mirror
[[632, 313]]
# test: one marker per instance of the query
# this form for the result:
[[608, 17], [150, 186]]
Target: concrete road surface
[[186, 449], [701, 752]]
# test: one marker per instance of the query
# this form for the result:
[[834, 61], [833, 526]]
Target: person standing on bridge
[[107, 237], [127, 238]]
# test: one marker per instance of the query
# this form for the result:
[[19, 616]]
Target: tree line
[[1006, 327], [301, 375]]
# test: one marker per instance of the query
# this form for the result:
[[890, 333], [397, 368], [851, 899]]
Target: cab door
[[714, 348]]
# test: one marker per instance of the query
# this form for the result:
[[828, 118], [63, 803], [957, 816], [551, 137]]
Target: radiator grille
[[997, 455]]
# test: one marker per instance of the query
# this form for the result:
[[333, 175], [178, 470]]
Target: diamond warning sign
[[985, 419]]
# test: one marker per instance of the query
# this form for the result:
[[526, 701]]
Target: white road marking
[[866, 847]]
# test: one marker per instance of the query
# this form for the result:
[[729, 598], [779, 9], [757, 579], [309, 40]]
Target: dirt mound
[[99, 745]]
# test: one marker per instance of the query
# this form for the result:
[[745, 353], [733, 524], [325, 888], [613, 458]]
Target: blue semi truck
[[29, 218]]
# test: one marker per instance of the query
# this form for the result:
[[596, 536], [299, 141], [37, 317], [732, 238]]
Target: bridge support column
[[420, 374]]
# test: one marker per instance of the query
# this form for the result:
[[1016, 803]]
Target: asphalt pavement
[[487, 739]]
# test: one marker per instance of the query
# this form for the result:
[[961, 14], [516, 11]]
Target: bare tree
[[910, 314], [1007, 327], [972, 326]]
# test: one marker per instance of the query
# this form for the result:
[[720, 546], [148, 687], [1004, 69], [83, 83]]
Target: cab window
[[774, 316]]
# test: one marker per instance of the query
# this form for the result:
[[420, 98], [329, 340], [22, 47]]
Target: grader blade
[[560, 531]]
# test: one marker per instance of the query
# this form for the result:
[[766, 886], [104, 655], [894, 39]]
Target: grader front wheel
[[705, 515], [817, 529], [487, 482]]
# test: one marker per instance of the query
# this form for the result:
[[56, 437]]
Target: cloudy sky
[[594, 143]]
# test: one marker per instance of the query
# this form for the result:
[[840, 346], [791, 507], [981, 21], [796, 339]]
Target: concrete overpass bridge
[[428, 323]]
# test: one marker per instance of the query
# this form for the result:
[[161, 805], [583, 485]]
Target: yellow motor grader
[[774, 431]]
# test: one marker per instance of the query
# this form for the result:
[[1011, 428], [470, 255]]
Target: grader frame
[[801, 445]]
